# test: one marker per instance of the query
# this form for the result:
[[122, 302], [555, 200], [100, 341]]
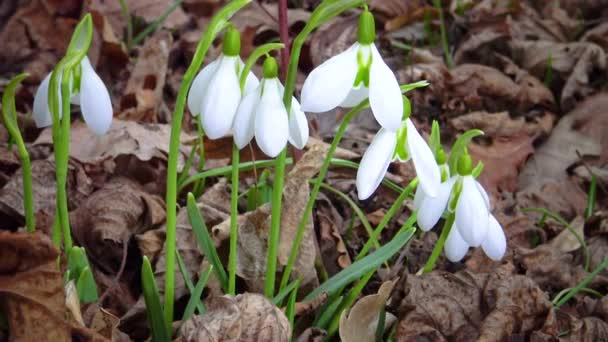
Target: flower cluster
[[227, 97]]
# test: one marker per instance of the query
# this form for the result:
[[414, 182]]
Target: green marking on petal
[[401, 151]]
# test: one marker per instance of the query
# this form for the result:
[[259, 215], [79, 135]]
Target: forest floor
[[531, 74]]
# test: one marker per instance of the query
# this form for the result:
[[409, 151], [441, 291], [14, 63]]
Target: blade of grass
[[152, 27], [205, 242], [284, 292], [186, 275], [562, 221], [591, 197], [582, 284], [154, 310], [290, 311], [361, 267], [195, 296]]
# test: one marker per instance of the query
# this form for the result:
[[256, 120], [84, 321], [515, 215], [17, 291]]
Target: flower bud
[[270, 69], [367, 28], [232, 42]]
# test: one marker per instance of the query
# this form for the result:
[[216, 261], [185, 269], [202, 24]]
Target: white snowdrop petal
[[455, 247], [418, 197], [375, 162], [384, 93], [41, 113], [251, 83], [95, 103], [298, 126], [426, 167], [355, 96], [495, 243], [221, 99], [484, 194], [472, 215], [329, 83], [271, 122], [244, 120], [431, 208], [199, 87]]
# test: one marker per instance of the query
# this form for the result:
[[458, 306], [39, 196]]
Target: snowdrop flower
[[263, 115], [474, 225], [403, 144], [215, 93], [92, 96], [354, 75]]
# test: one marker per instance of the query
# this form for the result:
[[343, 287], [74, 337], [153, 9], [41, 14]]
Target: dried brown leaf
[[144, 93], [31, 290], [361, 321], [246, 317]]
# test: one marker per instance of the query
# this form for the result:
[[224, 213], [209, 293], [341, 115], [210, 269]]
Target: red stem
[[284, 35]]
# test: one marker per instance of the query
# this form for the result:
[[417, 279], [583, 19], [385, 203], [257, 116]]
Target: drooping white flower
[[215, 93], [408, 143], [92, 96], [262, 114], [354, 75], [473, 225]]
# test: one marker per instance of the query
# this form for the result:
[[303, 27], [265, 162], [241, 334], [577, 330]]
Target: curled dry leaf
[[246, 317], [464, 306], [107, 220], [32, 293], [254, 227], [502, 160], [144, 93], [43, 185], [145, 141], [361, 321]]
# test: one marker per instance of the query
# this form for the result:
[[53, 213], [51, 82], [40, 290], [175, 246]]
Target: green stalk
[[444, 36], [591, 197], [325, 11], [61, 163], [127, 14], [215, 25], [445, 231], [387, 217], [234, 201], [314, 192], [275, 223], [9, 113]]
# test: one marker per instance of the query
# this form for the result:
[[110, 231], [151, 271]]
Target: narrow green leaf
[[86, 286], [284, 292], [154, 25], [361, 267], [186, 275], [435, 138], [291, 304], [195, 296], [154, 310], [205, 242]]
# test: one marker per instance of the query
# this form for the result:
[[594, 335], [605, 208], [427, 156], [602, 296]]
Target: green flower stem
[[9, 113], [62, 160], [234, 201], [127, 15], [315, 191], [445, 231], [387, 217], [275, 223], [215, 25]]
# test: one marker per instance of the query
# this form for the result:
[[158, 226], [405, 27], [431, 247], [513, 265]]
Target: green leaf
[[284, 292], [77, 262], [86, 286], [205, 242], [290, 311], [154, 310], [435, 138], [459, 146], [195, 296], [361, 267]]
